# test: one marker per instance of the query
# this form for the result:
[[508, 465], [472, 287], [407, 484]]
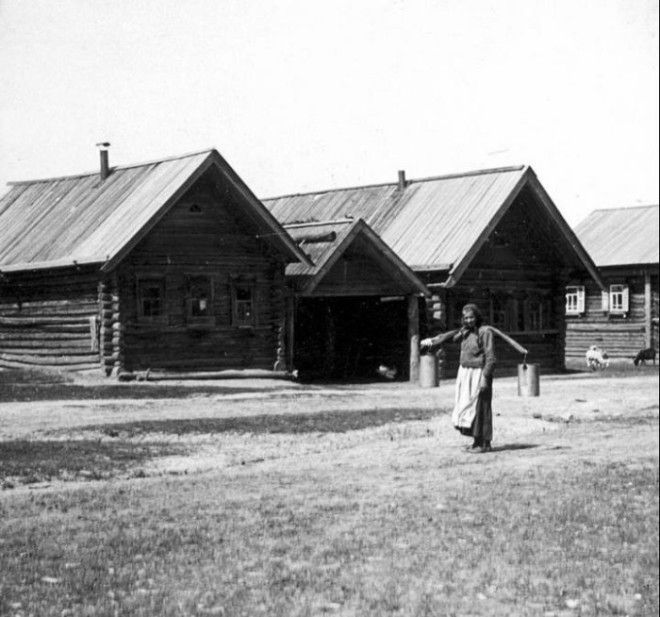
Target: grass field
[[326, 506]]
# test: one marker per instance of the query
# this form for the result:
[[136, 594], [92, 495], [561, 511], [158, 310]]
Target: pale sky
[[300, 95]]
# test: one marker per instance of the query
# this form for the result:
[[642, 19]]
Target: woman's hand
[[426, 343], [483, 385]]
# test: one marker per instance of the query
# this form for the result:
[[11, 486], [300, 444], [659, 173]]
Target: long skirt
[[473, 413]]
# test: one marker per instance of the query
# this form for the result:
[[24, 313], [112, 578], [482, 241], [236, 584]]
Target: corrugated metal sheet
[[59, 221], [621, 236], [430, 224]]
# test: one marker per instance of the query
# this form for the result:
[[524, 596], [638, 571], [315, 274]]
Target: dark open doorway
[[350, 338]]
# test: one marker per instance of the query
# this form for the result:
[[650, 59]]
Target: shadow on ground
[[38, 461], [21, 393], [514, 446], [321, 422]]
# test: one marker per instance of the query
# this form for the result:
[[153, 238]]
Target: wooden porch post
[[648, 325], [290, 329], [413, 336]]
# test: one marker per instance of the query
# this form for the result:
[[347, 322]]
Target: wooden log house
[[622, 319], [493, 237], [354, 311], [171, 265]]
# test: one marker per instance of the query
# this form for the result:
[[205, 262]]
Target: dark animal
[[644, 355]]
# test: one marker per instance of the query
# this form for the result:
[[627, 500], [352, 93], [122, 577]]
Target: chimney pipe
[[402, 179], [103, 152]]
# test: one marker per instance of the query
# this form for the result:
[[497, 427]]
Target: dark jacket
[[477, 348]]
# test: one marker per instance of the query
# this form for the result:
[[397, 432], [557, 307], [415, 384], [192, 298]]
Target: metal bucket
[[528, 380], [428, 371]]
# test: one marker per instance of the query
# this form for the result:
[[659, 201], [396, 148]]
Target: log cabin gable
[[527, 241], [359, 271], [201, 265], [350, 259], [206, 225]]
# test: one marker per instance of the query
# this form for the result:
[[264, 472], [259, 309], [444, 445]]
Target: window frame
[[250, 285], [201, 280], [579, 304], [142, 284], [621, 293]]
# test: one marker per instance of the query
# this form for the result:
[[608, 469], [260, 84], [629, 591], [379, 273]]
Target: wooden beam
[[648, 324], [291, 306], [413, 336]]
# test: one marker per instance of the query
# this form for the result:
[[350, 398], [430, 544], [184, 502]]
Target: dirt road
[[238, 423]]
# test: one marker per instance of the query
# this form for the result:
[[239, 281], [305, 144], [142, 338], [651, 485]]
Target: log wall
[[202, 235], [50, 319], [620, 336], [522, 262]]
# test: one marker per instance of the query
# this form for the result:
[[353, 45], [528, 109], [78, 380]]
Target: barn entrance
[[351, 338]]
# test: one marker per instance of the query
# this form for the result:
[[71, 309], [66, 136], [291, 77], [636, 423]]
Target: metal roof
[[433, 224], [430, 222], [325, 241], [81, 219], [621, 236]]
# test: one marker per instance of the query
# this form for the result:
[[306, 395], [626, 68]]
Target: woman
[[473, 414]]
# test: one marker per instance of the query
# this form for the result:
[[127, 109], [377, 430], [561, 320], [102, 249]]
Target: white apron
[[466, 396]]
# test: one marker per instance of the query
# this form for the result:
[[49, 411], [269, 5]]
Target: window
[[618, 299], [242, 300], [198, 298], [534, 317], [151, 298], [575, 300], [514, 314], [499, 315]]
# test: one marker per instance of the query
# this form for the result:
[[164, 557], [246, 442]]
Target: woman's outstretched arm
[[435, 341]]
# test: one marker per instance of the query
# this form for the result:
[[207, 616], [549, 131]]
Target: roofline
[[624, 208], [257, 211], [63, 262], [361, 226], [259, 208], [570, 234], [459, 268], [530, 178], [632, 264], [215, 159], [466, 174], [112, 168]]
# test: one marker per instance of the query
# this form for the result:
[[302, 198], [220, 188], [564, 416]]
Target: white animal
[[597, 358], [386, 371]]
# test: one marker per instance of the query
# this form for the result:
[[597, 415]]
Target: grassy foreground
[[391, 532]]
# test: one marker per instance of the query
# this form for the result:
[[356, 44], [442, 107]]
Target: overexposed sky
[[300, 95]]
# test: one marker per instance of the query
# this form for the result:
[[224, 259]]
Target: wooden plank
[[413, 337]]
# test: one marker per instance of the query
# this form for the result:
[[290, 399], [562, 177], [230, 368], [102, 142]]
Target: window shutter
[[605, 301], [624, 301], [580, 302]]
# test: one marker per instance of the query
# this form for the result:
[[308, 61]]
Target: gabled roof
[[326, 241], [621, 236], [83, 220], [433, 224]]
